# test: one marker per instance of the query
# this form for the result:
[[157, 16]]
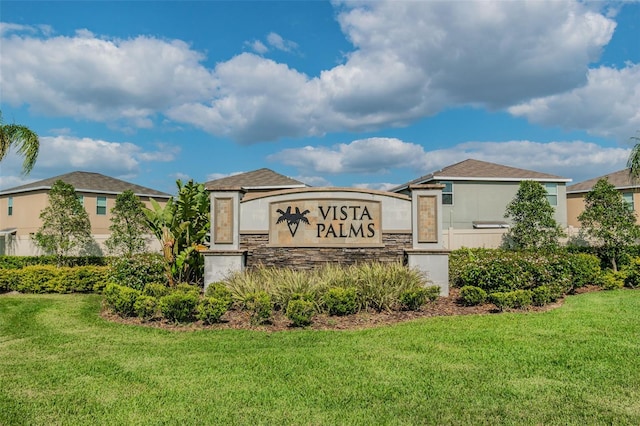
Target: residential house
[[20, 208], [621, 180], [476, 194], [261, 180]]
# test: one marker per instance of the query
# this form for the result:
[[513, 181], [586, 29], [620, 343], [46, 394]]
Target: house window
[[81, 199], [10, 208], [552, 193], [447, 193], [628, 198], [101, 206]]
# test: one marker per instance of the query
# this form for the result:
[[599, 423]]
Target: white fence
[[483, 238]]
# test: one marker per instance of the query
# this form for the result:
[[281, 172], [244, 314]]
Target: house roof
[[88, 182], [483, 171], [620, 179], [262, 179]]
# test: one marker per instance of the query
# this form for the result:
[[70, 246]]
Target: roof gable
[[471, 169], [261, 179], [88, 182], [620, 179]]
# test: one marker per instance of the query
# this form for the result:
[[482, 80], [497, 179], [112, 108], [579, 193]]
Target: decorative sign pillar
[[224, 255], [428, 253]]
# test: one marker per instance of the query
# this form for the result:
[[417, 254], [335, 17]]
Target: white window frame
[[628, 199], [552, 193], [445, 192], [10, 206], [98, 206]]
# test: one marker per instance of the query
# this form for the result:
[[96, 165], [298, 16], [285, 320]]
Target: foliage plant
[[219, 291], [472, 295], [128, 226], [17, 262], [21, 137], [607, 222], [182, 226], [612, 280], [146, 307], [341, 301], [541, 296], [138, 270], [179, 306], [211, 309], [121, 299], [300, 312], [260, 306], [503, 299], [533, 223], [632, 274], [156, 290], [413, 299], [65, 224]]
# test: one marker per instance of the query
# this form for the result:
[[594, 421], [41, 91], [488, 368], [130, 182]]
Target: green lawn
[[60, 363]]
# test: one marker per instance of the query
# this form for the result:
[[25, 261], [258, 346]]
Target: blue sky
[[331, 93]]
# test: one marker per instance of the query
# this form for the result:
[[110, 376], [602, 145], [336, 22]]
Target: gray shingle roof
[[619, 179], [88, 182], [482, 170], [262, 179]]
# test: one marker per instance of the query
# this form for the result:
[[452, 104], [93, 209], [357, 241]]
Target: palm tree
[[22, 138], [633, 163]]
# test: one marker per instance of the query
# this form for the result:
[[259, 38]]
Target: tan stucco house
[[476, 195], [20, 207], [621, 180]]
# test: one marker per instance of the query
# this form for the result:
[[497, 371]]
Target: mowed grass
[[60, 363]]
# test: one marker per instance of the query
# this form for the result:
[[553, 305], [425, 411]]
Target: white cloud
[[275, 40], [63, 154], [577, 160], [100, 79], [607, 105], [409, 60]]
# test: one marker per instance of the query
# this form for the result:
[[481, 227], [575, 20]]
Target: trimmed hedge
[[52, 279], [19, 262], [138, 271]]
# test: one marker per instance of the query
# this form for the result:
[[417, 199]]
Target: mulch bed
[[444, 306]]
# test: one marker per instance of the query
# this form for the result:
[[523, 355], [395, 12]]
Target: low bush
[[211, 309], [300, 312], [471, 295], [502, 299], [19, 262], [522, 298], [413, 299], [188, 288], [341, 301], [137, 271], [541, 296], [179, 306], [632, 272], [260, 306], [611, 280], [146, 307], [585, 269], [9, 279], [156, 290], [121, 299]]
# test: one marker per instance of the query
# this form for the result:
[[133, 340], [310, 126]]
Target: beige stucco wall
[[26, 219], [575, 206]]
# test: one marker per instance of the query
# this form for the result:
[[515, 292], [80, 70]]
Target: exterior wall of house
[[25, 218], [487, 201], [575, 205]]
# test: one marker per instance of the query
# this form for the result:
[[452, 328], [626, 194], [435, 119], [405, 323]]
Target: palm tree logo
[[292, 219]]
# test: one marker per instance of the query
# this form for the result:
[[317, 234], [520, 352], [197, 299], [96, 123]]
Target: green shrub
[[413, 299], [300, 312], [585, 269], [19, 262], [87, 279], [37, 279], [502, 299], [611, 280], [188, 288], [156, 290], [9, 279], [219, 291], [341, 301], [522, 298], [541, 296], [471, 295], [632, 271], [137, 271], [179, 306], [259, 304], [146, 307], [210, 309], [379, 285], [121, 299]]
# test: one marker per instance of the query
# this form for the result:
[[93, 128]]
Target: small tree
[[65, 223], [128, 226], [534, 226], [608, 222]]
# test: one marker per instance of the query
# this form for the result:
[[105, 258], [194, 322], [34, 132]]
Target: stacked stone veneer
[[258, 252]]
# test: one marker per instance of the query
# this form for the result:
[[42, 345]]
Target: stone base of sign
[[434, 264], [219, 264], [260, 253]]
